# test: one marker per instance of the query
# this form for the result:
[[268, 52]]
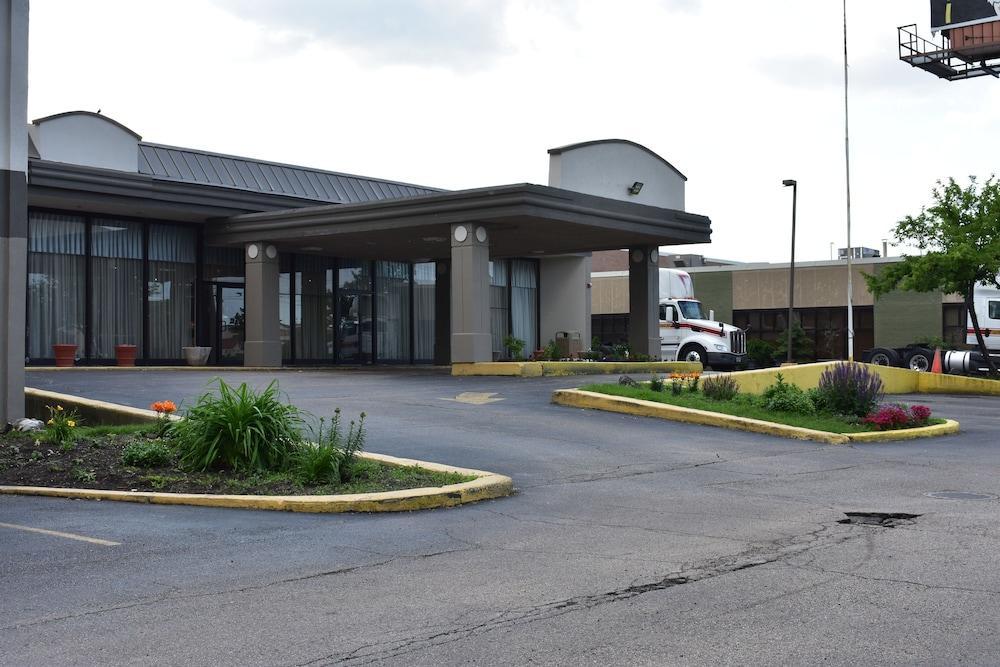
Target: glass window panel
[[116, 287], [355, 276], [56, 283], [524, 303], [172, 273], [392, 309], [285, 312], [224, 265], [424, 286], [314, 308], [499, 307]]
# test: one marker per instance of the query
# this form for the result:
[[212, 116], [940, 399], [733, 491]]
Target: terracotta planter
[[125, 355], [65, 354]]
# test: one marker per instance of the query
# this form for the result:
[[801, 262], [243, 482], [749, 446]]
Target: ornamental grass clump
[[333, 457], [238, 429], [720, 388], [849, 389]]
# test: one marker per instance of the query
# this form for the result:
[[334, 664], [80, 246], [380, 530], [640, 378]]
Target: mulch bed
[[96, 463]]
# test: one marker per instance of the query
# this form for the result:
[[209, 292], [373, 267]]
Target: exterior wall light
[[635, 188]]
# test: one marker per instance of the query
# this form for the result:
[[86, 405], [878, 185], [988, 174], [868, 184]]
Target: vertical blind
[[56, 283], [116, 289], [173, 256], [313, 308], [392, 309], [524, 302], [424, 285]]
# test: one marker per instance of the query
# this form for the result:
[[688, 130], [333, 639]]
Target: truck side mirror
[[673, 313]]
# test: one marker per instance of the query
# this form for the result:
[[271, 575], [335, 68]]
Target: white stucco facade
[[87, 139]]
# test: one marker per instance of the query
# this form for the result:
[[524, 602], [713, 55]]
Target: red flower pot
[[125, 355], [65, 354]]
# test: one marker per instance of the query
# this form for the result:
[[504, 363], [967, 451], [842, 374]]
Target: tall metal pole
[[847, 165], [791, 268]]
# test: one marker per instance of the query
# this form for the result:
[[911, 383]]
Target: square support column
[[13, 205], [262, 346], [470, 294], [644, 301]]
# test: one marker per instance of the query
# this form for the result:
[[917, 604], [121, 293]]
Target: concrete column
[[470, 294], [263, 341], [644, 301], [13, 204], [564, 299], [442, 313]]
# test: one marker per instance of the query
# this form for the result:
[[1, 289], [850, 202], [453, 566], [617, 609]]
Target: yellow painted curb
[[93, 412], [566, 368], [578, 398], [487, 485], [949, 427]]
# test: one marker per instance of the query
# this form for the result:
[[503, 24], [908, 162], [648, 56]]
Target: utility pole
[[791, 268]]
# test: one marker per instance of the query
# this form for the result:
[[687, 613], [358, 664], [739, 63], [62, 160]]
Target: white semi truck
[[688, 334]]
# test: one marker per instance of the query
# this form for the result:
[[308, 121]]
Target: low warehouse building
[[755, 297]]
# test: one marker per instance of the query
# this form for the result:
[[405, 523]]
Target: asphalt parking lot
[[630, 540]]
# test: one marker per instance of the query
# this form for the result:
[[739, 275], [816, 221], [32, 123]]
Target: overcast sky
[[469, 93]]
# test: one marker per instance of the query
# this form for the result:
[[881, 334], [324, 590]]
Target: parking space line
[[56, 533]]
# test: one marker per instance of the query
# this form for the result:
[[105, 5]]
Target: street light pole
[[847, 165], [791, 269]]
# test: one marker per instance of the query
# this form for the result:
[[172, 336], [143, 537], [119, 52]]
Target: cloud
[[458, 34]]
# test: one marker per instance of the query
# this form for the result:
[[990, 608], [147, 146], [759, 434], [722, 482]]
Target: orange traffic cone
[[936, 366]]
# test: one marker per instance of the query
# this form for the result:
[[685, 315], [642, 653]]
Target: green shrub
[[802, 344], [514, 347], [720, 387], [238, 429], [146, 454], [656, 384], [784, 397], [761, 352]]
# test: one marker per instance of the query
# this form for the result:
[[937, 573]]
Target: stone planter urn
[[125, 355], [196, 356], [65, 354]]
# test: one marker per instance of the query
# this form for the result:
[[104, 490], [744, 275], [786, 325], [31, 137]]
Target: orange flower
[[164, 407]]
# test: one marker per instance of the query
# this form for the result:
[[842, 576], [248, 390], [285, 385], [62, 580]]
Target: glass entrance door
[[354, 328], [232, 324]]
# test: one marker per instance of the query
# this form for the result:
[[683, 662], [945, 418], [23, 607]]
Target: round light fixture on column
[[461, 233], [637, 256], [271, 252], [481, 234], [253, 250], [654, 256]]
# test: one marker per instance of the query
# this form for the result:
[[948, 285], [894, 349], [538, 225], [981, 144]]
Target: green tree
[[959, 240]]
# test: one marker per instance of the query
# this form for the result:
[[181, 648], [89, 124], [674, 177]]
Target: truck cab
[[688, 334]]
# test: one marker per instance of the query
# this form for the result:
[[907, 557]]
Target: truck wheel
[[883, 356], [919, 360], [693, 352]]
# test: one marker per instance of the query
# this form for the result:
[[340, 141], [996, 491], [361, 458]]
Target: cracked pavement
[[630, 540]]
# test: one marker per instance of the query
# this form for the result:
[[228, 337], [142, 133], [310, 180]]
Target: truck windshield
[[691, 310]]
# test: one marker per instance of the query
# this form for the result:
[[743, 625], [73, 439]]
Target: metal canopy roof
[[523, 220], [187, 165]]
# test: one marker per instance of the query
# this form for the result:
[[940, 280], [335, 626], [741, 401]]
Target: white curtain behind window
[[392, 282], [524, 303], [116, 286], [56, 283], [424, 282], [172, 263]]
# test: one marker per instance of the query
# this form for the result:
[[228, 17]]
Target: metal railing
[[939, 58]]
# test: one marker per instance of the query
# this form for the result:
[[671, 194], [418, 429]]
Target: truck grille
[[738, 342]]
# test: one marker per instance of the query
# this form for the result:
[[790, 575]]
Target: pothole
[[960, 495], [883, 519]]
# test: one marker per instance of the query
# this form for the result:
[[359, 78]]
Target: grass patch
[[743, 405]]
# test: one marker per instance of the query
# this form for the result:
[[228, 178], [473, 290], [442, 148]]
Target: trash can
[[569, 344]]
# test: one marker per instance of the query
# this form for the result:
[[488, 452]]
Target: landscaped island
[[236, 441], [848, 401]]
